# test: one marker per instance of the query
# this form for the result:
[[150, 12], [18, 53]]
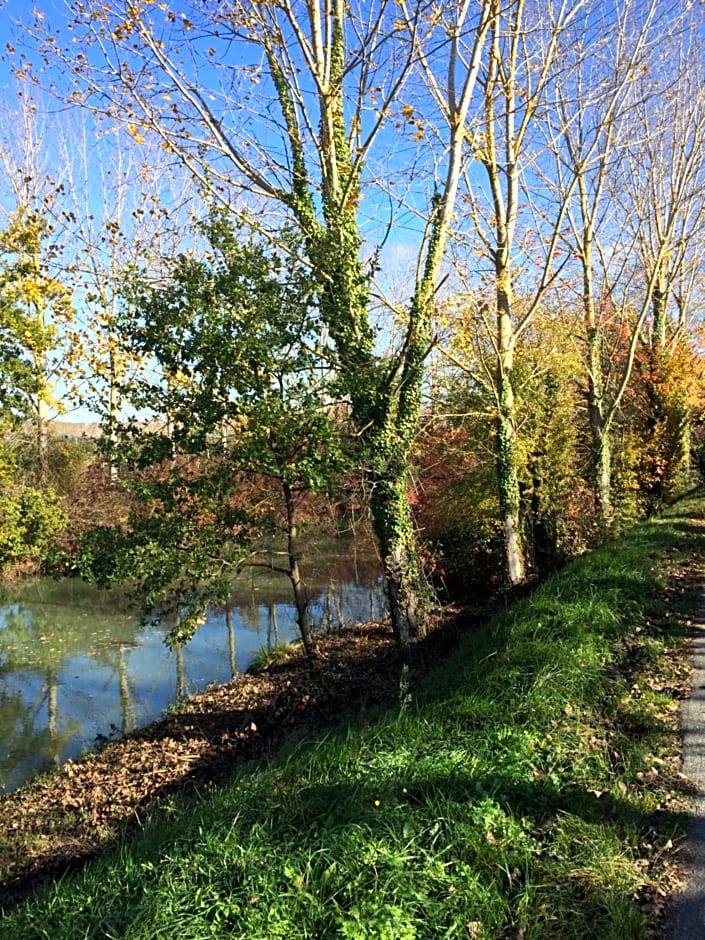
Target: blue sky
[[394, 153]]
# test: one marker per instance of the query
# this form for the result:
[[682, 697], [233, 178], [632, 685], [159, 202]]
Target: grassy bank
[[528, 788]]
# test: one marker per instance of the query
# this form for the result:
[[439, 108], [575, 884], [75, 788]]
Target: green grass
[[273, 656], [526, 789]]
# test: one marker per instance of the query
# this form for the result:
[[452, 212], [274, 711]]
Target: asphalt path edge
[[688, 915]]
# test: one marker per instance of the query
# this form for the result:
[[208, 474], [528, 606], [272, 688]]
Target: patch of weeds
[[273, 656]]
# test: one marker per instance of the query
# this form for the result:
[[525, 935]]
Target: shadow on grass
[[313, 835]]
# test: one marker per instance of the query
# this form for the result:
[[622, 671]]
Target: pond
[[77, 667]]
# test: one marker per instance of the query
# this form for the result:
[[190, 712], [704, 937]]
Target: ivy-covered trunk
[[599, 429], [660, 439], [393, 524], [684, 445], [506, 447], [385, 406], [668, 423], [602, 457], [384, 394], [508, 483], [680, 471], [385, 411]]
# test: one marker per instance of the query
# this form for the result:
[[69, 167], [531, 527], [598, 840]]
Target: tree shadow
[[323, 819]]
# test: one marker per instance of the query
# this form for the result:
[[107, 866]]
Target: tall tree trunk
[[682, 458], [669, 410], [602, 469], [599, 428], [685, 441], [394, 527], [679, 434], [385, 405], [598, 420], [42, 441], [113, 414], [658, 312], [506, 455], [294, 572], [508, 484], [385, 397], [661, 460], [181, 688]]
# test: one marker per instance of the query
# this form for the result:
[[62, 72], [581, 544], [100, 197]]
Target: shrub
[[30, 519]]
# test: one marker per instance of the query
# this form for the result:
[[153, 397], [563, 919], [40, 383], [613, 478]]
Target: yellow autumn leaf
[[135, 132]]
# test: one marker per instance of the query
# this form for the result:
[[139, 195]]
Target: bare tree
[[599, 117], [664, 208], [665, 178], [512, 223], [124, 208], [288, 102]]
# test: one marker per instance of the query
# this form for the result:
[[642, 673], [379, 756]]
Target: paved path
[[689, 909]]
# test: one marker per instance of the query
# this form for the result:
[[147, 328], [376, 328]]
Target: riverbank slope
[[529, 786]]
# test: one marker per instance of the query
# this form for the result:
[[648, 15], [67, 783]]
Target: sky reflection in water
[[74, 667]]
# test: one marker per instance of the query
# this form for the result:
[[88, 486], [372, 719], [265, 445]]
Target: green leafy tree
[[19, 382], [31, 281], [551, 489], [250, 429], [24, 294], [30, 517]]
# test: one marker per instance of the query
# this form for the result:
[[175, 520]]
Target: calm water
[[76, 668]]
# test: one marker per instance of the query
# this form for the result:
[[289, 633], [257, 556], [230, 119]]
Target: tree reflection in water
[[76, 667]]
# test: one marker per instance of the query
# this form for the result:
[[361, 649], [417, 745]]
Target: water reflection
[[76, 667]]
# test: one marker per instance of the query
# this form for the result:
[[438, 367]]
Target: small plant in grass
[[271, 656]]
